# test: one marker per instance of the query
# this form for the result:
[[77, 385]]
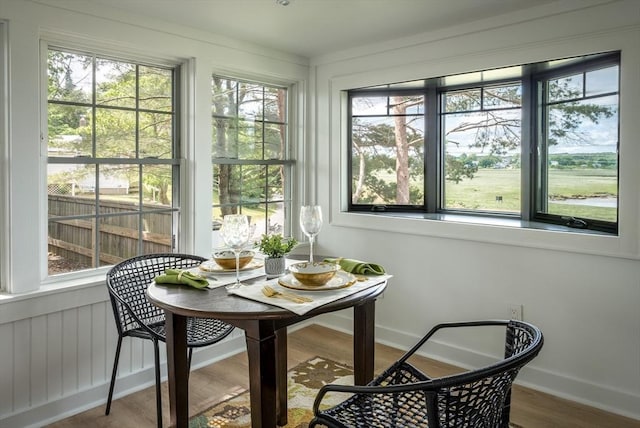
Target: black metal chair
[[403, 396], [135, 316]]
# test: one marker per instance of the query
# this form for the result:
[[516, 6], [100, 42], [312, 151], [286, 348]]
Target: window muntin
[[113, 167], [251, 155], [480, 131], [387, 157], [579, 178]]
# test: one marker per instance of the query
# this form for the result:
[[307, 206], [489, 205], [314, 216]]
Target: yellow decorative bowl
[[227, 259], [313, 274]]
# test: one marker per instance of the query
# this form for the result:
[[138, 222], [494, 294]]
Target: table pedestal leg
[[281, 376], [261, 349], [178, 369], [363, 342]]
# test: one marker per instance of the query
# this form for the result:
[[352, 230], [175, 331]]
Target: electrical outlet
[[515, 312]]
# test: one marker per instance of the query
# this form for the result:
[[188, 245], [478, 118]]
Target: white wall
[[58, 339], [583, 291]]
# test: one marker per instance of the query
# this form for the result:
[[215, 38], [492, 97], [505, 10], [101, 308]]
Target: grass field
[[499, 190]]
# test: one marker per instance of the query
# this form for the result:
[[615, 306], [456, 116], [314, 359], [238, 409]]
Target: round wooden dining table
[[265, 328]]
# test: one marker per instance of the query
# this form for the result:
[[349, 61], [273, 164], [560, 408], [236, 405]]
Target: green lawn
[[488, 185]]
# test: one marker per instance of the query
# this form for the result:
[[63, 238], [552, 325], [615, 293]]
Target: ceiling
[[312, 28]]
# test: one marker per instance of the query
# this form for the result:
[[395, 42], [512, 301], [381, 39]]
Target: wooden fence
[[75, 240]]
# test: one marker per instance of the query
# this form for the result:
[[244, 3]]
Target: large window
[[113, 160], [537, 142], [251, 154]]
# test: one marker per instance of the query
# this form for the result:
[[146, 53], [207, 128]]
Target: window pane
[[467, 100], [275, 218], [156, 135], [224, 99], [274, 104], [118, 188], [71, 189], [157, 182], [119, 238], [250, 101], [70, 77], [502, 96], [387, 160], [115, 83], [582, 170], [369, 106], [253, 185], [69, 131], [157, 232], [274, 140], [225, 138], [249, 141], [70, 245], [602, 81], [566, 88], [482, 161], [115, 133], [275, 183], [156, 85]]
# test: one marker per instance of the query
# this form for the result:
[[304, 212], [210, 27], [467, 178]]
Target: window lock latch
[[575, 222]]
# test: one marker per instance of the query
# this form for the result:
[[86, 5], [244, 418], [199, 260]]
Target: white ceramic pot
[[274, 266]]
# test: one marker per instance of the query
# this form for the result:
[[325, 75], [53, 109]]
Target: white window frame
[[182, 242], [5, 235], [288, 162]]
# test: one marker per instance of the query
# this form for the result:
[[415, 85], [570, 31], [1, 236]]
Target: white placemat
[[254, 292], [221, 279]]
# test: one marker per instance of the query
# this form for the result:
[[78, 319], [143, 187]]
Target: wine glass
[[310, 223], [236, 232]]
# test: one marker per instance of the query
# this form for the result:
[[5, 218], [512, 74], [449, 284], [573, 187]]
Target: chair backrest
[[481, 398], [128, 281]]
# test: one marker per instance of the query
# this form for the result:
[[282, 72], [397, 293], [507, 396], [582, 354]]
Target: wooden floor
[[211, 384]]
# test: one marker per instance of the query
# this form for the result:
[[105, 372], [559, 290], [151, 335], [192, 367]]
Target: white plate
[[341, 280], [210, 266]]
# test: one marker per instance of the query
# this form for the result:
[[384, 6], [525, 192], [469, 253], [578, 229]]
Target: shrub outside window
[[113, 163], [538, 142]]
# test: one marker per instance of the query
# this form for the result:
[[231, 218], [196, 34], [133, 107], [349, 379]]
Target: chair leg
[[189, 361], [158, 389], [113, 375]]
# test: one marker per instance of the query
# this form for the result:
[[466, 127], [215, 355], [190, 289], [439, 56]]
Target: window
[[578, 145], [113, 160], [251, 158], [481, 143], [538, 142]]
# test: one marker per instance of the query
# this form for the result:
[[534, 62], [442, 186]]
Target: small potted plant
[[275, 247]]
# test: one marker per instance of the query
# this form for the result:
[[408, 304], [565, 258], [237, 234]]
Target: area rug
[[304, 381]]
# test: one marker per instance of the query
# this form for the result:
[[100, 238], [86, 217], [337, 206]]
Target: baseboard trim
[[50, 412], [616, 401]]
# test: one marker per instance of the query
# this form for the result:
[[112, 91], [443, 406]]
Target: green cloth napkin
[[177, 276], [357, 266]]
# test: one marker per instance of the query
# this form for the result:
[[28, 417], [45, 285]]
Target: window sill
[[53, 297], [498, 221], [501, 231]]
